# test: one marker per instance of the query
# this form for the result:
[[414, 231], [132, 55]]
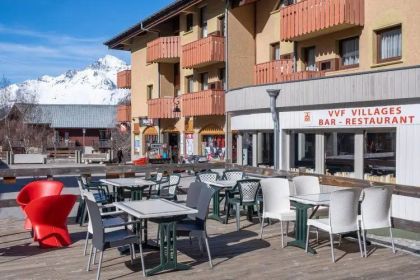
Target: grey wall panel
[[366, 87]]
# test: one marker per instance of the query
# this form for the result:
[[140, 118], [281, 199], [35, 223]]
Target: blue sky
[[40, 37]]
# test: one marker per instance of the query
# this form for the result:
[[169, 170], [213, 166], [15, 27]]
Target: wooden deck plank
[[235, 255]]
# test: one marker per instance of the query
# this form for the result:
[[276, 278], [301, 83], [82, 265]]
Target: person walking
[[120, 156]]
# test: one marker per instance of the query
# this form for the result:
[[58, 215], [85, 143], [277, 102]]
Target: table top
[[221, 183], [128, 182], [154, 208], [313, 199]]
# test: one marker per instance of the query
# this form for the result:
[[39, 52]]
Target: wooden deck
[[236, 255]]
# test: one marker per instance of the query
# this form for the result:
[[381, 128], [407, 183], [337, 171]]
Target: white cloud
[[46, 53]]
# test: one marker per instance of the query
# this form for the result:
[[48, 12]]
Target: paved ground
[[236, 255]]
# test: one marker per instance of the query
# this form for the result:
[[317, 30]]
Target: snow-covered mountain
[[96, 84]]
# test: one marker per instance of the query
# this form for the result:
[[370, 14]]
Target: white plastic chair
[[309, 185], [276, 203], [375, 212], [343, 217]]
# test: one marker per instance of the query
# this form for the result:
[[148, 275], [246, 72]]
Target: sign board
[[381, 116], [147, 122]]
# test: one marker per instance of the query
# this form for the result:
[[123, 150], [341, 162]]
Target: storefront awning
[[212, 130], [150, 131]]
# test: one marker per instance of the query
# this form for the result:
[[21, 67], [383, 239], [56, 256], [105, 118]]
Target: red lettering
[[398, 109]]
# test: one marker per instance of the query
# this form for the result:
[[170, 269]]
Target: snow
[[96, 84]]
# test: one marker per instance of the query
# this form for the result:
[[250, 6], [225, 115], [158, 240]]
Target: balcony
[[203, 52], [203, 103], [302, 75], [123, 113], [311, 18], [272, 71], [162, 108], [163, 50], [124, 79]]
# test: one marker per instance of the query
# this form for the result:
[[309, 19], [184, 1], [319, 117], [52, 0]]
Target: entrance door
[[173, 142]]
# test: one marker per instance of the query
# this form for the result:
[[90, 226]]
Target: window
[[389, 44], [339, 154], [190, 22], [204, 81], [303, 151], [349, 52], [177, 80], [309, 58], [222, 26], [203, 21], [149, 92], [379, 157], [222, 77], [275, 51], [189, 83]]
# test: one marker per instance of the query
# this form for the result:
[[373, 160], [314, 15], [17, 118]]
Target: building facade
[[349, 101], [346, 70]]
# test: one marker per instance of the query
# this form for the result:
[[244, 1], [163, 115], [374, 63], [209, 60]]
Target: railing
[[272, 72], [202, 103], [203, 52], [302, 75], [310, 16], [124, 79], [162, 108], [123, 113], [163, 49]]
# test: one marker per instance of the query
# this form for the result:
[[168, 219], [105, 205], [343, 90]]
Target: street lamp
[[176, 108], [83, 140]]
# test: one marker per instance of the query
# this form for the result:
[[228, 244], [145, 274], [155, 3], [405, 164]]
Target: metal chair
[[102, 240], [375, 212], [197, 226], [342, 218], [248, 189], [276, 203]]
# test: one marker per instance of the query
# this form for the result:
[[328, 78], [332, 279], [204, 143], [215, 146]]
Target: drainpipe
[[274, 93], [226, 45]]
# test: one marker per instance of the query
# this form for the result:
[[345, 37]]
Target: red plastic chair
[[34, 190], [48, 216]]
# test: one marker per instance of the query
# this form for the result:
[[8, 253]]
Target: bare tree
[[121, 140], [18, 127]]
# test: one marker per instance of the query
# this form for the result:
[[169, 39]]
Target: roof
[[70, 116], [171, 10]]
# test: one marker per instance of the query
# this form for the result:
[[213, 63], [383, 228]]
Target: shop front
[[212, 140]]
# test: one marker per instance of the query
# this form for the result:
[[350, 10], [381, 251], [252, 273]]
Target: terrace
[[235, 254]]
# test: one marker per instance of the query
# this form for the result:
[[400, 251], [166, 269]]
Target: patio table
[[166, 213], [302, 203], [217, 186], [137, 185]]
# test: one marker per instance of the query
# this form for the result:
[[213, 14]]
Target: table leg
[[216, 206], [301, 226], [168, 252]]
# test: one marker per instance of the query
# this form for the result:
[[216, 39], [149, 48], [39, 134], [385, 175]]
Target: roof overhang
[[122, 40]]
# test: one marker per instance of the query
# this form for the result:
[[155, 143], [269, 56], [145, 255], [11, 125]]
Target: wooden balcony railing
[[202, 103], [302, 75], [310, 18], [203, 52], [163, 49], [123, 113], [272, 71], [162, 108], [124, 79]]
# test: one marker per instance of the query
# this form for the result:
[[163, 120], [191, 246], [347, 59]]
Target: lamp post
[[83, 140], [274, 93]]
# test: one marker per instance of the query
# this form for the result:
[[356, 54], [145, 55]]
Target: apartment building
[[347, 71], [348, 102], [177, 79]]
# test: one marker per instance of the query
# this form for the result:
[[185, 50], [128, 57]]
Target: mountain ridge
[[95, 84]]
